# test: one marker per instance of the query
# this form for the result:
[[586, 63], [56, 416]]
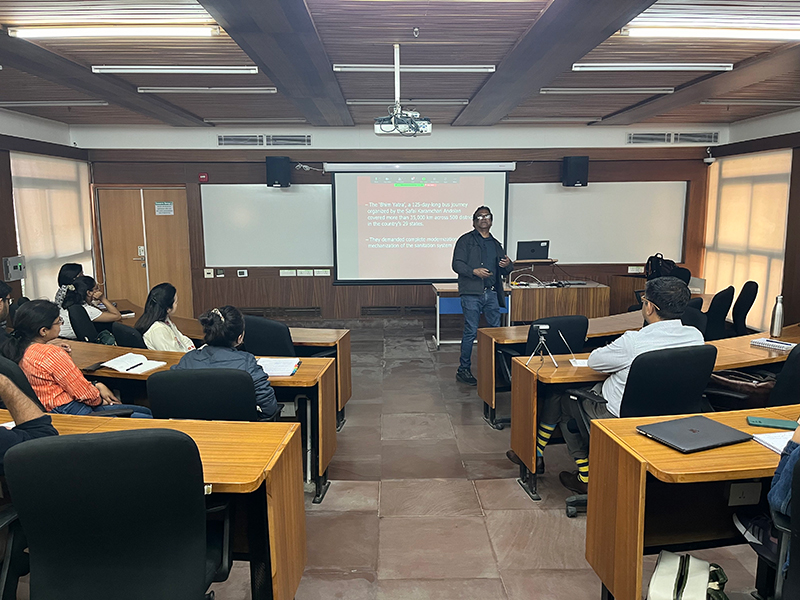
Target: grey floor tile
[[416, 426], [428, 498], [489, 466], [367, 346], [342, 541], [421, 459], [236, 587], [355, 468], [557, 584], [503, 494], [363, 415], [358, 441], [434, 548], [446, 589], [482, 439], [465, 413], [345, 585], [356, 496], [400, 401]]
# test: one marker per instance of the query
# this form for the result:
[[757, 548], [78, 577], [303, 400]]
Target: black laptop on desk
[[537, 250], [692, 434]]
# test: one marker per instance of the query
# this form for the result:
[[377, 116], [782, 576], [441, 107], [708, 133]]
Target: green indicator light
[[409, 185]]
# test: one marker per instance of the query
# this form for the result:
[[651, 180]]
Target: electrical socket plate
[[744, 493], [288, 273], [220, 272], [635, 269], [241, 273], [208, 273], [322, 272], [305, 272]]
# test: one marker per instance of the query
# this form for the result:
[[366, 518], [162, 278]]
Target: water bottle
[[776, 325]]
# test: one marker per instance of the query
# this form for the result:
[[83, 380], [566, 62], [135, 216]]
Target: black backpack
[[658, 266]]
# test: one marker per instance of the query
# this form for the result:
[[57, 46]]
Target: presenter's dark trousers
[[472, 307]]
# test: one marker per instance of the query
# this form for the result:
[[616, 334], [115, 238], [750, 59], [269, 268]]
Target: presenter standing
[[481, 263]]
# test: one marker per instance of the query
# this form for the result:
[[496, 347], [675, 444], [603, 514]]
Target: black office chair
[[717, 312], [161, 547], [741, 308], [787, 383], [660, 382], [265, 337], [695, 318], [682, 273], [206, 394], [12, 310], [696, 303], [127, 336], [82, 325]]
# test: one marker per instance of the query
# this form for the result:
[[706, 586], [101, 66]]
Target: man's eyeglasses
[[58, 321], [651, 302], [9, 301], [482, 217]]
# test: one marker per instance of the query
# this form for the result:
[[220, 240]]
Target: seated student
[[67, 274], [158, 331], [224, 330], [780, 493], [29, 420], [664, 301], [58, 383], [85, 291]]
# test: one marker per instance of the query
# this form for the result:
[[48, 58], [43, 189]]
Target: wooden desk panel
[[529, 304]]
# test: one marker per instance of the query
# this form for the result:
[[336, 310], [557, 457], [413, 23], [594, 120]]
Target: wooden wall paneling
[[8, 227], [791, 265], [17, 144]]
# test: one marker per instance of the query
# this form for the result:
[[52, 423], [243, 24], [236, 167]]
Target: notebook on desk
[[692, 434]]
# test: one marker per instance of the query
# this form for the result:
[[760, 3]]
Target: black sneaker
[[570, 481], [465, 376]]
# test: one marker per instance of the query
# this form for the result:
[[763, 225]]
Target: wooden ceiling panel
[[620, 48], [214, 106], [412, 85], [545, 105], [722, 13], [103, 12], [702, 113], [91, 115]]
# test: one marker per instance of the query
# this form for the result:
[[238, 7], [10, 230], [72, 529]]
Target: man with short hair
[[664, 302], [481, 264]]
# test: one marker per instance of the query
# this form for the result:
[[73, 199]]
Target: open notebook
[[133, 363]]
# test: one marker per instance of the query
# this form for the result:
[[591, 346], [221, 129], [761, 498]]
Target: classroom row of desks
[[259, 467]]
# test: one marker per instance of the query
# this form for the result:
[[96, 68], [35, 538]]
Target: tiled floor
[[423, 504]]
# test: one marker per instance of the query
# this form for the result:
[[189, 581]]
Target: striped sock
[[583, 469], [543, 436]]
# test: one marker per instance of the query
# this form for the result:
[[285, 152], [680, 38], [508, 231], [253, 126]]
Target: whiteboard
[[259, 226], [600, 223]]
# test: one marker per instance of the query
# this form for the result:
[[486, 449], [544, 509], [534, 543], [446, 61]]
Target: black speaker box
[[278, 170], [575, 171]]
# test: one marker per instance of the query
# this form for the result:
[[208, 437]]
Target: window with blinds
[[52, 207], [748, 200]]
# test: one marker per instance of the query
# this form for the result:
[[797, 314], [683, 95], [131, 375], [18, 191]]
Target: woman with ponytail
[[158, 331], [85, 292], [224, 330], [58, 383]]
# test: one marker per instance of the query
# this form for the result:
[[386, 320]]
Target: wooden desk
[[531, 303], [489, 338], [450, 290], [316, 376], [260, 465], [732, 353], [635, 506], [306, 337]]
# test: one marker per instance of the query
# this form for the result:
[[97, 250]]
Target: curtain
[[748, 201], [52, 208]]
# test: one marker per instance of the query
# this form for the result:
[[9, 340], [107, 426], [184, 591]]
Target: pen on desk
[[134, 366], [779, 342]]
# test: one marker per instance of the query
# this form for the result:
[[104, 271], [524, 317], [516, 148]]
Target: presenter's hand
[[504, 262], [482, 273]]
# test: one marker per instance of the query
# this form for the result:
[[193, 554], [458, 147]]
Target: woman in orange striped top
[[58, 383]]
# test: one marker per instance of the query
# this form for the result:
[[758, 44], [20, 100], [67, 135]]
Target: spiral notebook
[[770, 344]]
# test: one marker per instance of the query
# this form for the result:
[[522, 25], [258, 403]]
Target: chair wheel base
[[576, 505]]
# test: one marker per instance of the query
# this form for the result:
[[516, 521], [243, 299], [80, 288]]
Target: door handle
[[138, 258]]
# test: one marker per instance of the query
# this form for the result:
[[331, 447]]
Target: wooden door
[[122, 239], [166, 223]]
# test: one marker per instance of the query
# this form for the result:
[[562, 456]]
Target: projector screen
[[391, 227]]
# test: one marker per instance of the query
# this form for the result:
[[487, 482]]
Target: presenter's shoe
[[512, 456], [465, 376], [569, 479]]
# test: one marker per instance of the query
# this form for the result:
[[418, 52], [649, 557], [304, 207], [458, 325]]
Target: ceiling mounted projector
[[401, 122]]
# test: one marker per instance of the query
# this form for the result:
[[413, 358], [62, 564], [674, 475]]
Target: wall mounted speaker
[[278, 170], [575, 171]]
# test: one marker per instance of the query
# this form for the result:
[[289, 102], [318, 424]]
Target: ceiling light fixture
[[419, 101], [550, 119], [175, 69], [415, 68], [45, 103], [652, 67], [746, 102], [116, 31], [713, 33], [619, 90], [207, 90], [256, 121]]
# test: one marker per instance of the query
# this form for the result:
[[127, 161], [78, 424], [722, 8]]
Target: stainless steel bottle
[[776, 325]]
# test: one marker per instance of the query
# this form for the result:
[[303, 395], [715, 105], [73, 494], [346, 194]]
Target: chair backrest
[[11, 370], [695, 303], [787, 384], [694, 318], [71, 494], [572, 327], [206, 394], [717, 312], [668, 382], [265, 337], [743, 305], [81, 324], [682, 273], [127, 336], [791, 587]]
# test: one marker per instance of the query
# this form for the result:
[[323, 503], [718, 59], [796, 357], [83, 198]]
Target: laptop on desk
[[536, 250], [692, 434]]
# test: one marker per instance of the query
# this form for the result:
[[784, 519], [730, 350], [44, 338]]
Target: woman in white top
[[158, 330], [85, 291]]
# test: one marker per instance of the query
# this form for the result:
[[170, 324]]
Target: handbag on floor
[[684, 577]]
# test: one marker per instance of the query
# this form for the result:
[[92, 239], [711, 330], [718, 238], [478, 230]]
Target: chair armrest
[[7, 516], [216, 503], [711, 393], [510, 351], [114, 412], [781, 522], [586, 395], [325, 353]]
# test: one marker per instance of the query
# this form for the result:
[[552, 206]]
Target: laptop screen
[[536, 250]]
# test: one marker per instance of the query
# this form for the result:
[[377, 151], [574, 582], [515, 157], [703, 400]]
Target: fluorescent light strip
[[429, 102], [256, 121], [417, 167], [551, 119], [45, 103], [620, 90], [207, 90], [32, 33], [415, 68], [595, 67], [745, 102], [713, 33], [175, 69]]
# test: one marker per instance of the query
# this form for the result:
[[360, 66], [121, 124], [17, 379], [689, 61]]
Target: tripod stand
[[542, 345]]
